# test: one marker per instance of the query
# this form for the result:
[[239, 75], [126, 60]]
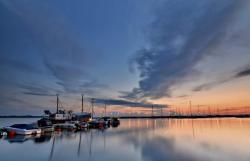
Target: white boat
[[23, 129]]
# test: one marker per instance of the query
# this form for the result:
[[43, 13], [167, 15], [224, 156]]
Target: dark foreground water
[[137, 140]]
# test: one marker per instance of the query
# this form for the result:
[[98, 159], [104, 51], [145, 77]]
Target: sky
[[131, 54]]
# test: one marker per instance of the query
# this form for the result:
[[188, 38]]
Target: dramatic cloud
[[182, 34], [242, 73], [127, 103]]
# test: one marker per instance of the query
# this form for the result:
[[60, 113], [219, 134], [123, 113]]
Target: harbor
[[61, 120]]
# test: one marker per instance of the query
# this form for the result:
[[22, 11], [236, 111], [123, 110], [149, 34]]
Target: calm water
[[137, 140]]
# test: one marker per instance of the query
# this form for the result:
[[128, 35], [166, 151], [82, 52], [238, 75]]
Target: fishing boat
[[23, 129], [61, 115]]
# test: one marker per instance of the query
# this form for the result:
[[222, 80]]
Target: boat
[[61, 115], [81, 117], [83, 125], [115, 122], [45, 125], [66, 126], [107, 120], [104, 120], [22, 129], [95, 123]]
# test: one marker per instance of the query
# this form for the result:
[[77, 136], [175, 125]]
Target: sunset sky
[[129, 53]]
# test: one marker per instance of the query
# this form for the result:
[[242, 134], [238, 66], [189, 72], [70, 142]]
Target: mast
[[92, 105], [105, 107], [57, 103], [152, 110], [82, 103], [190, 108]]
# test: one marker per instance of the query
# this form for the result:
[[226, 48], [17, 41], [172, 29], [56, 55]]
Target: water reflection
[[139, 140]]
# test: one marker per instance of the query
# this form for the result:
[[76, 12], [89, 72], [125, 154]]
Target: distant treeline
[[20, 116]]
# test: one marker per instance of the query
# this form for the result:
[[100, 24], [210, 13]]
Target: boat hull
[[23, 131]]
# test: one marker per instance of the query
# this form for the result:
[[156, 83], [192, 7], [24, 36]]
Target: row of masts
[[82, 109], [92, 106]]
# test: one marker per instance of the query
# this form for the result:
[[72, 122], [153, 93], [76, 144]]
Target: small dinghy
[[23, 129]]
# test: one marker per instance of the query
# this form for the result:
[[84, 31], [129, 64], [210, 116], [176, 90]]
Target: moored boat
[[94, 124], [45, 125], [22, 129], [65, 126], [115, 121]]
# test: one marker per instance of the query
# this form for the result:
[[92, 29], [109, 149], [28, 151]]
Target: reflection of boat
[[43, 138], [23, 129], [21, 138]]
